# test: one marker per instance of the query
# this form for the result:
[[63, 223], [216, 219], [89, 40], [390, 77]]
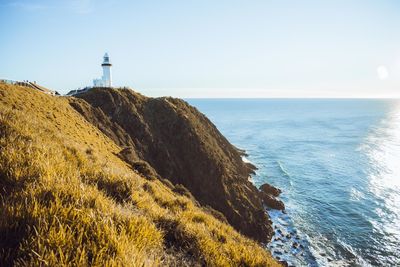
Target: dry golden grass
[[66, 199]]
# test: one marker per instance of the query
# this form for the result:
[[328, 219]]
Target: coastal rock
[[271, 201], [270, 190], [251, 167], [183, 146]]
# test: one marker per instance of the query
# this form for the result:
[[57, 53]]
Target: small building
[[78, 91]]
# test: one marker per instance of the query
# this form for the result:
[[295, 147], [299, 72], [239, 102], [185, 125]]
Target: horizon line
[[316, 98]]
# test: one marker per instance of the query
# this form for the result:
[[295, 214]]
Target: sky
[[207, 48]]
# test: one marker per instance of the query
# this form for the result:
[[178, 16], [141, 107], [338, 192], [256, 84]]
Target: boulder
[[270, 190], [272, 202]]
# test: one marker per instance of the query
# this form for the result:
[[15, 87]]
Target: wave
[[282, 169], [288, 243], [246, 160]]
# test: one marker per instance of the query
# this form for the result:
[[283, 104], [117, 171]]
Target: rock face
[[179, 143]]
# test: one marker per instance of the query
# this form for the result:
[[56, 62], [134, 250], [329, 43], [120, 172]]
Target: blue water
[[338, 164]]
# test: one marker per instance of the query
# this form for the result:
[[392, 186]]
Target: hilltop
[[68, 198]]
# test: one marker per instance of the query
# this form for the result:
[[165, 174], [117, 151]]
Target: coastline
[[287, 245]]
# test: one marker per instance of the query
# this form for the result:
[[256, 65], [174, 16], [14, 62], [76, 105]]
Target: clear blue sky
[[215, 48]]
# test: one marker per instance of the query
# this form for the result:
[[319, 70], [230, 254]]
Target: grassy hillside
[[67, 199], [183, 146]]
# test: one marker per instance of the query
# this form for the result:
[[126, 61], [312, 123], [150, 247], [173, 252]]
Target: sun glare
[[382, 72]]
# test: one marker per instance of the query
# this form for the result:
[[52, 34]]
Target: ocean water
[[338, 164]]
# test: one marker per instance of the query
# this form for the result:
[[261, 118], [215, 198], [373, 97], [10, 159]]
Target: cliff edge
[[72, 196], [179, 143]]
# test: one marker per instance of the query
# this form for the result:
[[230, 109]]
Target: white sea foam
[[246, 160]]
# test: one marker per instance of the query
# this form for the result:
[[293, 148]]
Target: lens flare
[[382, 72]]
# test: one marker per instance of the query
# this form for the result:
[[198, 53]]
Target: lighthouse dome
[[106, 60]]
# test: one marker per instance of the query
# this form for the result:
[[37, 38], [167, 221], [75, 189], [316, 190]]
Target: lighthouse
[[104, 81], [107, 82]]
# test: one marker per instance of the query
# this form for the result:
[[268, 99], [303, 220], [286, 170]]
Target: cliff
[[183, 146], [91, 190]]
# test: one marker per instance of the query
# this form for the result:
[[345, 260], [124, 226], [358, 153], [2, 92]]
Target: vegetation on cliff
[[183, 146], [67, 198]]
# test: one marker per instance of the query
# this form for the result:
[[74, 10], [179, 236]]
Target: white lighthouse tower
[[107, 82]]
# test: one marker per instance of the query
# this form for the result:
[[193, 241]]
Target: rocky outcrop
[[272, 202], [270, 190], [179, 143], [269, 194]]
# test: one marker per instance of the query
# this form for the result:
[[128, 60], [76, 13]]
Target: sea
[[337, 162]]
